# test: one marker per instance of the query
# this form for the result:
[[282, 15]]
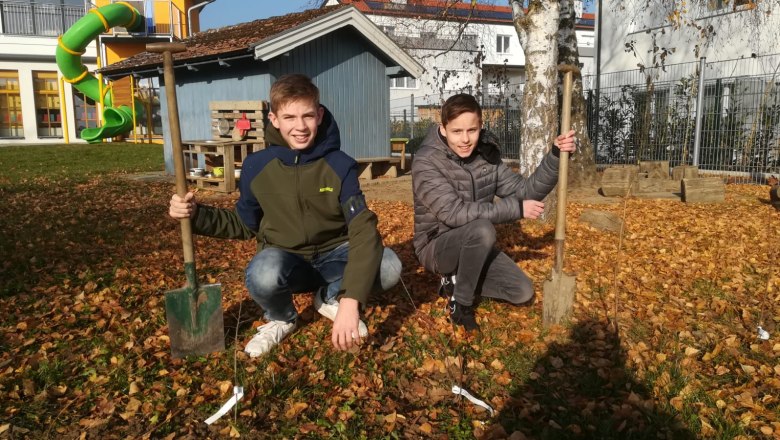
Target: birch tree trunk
[[537, 30], [582, 166]]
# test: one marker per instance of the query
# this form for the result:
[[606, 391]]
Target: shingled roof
[[226, 42]]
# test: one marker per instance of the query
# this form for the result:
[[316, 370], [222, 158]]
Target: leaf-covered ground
[[84, 351]]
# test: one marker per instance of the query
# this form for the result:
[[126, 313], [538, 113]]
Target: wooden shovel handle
[[169, 78], [563, 171]]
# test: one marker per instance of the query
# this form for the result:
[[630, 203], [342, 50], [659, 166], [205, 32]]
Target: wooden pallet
[[230, 155], [232, 111]]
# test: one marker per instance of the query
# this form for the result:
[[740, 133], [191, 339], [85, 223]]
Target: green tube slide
[[70, 47]]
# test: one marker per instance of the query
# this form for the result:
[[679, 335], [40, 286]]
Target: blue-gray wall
[[350, 74]]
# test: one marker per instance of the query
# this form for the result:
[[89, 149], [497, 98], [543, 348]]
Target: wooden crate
[[232, 111], [703, 190], [685, 172], [617, 181], [655, 169]]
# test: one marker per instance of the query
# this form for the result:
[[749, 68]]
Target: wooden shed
[[345, 54]]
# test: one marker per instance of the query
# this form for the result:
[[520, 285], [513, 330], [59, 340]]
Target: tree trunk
[[582, 166], [538, 31]]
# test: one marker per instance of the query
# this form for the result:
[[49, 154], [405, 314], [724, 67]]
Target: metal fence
[[653, 114], [51, 19], [723, 116], [41, 19]]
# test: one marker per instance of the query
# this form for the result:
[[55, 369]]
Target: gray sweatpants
[[469, 252]]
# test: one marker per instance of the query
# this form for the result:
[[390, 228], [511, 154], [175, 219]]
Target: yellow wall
[[163, 11], [116, 51]]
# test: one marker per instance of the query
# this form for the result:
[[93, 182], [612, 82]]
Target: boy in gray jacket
[[456, 177]]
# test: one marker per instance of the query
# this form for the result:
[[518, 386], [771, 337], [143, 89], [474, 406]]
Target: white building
[[695, 83], [29, 79], [36, 104], [476, 50], [717, 30]]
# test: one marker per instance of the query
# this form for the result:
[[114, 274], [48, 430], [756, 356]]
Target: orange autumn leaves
[[84, 329]]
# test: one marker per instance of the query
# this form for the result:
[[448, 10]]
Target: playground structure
[[71, 46]]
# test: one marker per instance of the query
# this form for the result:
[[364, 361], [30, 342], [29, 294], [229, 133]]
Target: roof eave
[[291, 38]]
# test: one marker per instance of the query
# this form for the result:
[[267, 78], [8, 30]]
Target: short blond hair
[[293, 87]]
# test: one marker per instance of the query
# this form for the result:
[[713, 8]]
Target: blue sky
[[227, 12]]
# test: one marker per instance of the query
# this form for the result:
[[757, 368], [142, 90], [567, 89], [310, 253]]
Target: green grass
[[25, 163]]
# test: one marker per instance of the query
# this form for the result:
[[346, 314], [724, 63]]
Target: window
[[147, 91], [10, 105], [388, 30], [403, 83], [85, 114], [47, 104], [502, 44], [714, 5], [469, 41]]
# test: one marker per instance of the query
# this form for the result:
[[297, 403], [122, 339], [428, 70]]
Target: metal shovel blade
[[195, 323], [558, 297]]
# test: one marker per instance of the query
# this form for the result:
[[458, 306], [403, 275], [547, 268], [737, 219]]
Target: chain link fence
[[650, 114]]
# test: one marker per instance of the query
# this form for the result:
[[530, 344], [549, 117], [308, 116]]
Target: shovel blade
[[195, 324], [558, 297]]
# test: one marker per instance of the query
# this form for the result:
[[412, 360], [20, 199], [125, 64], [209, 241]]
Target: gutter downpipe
[[189, 14]]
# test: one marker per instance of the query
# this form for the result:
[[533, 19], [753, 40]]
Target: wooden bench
[[369, 168]]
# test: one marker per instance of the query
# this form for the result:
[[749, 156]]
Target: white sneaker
[[329, 310], [268, 336]]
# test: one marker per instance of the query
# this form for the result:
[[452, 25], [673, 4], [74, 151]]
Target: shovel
[[559, 289], [194, 312]]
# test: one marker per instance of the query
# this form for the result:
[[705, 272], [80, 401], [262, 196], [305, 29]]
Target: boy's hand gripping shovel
[[559, 289], [194, 312]]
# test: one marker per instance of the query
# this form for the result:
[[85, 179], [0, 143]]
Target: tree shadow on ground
[[583, 389]]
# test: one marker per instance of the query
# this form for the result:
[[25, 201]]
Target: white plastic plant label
[[238, 393]]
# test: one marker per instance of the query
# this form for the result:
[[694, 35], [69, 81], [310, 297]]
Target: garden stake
[[559, 289], [194, 313]]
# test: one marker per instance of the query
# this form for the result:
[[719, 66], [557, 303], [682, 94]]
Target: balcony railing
[[37, 19], [162, 18], [51, 20]]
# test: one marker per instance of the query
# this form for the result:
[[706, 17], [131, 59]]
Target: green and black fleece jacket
[[304, 202]]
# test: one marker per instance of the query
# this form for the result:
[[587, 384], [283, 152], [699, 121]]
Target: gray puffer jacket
[[450, 192]]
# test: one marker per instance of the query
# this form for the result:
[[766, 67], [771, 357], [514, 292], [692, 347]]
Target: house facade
[[718, 30], [462, 48], [36, 104], [694, 85], [346, 56], [30, 97]]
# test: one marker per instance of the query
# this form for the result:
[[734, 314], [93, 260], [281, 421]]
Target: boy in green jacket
[[301, 200]]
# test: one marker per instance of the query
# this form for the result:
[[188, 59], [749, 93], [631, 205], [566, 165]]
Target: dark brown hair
[[293, 87], [458, 104]]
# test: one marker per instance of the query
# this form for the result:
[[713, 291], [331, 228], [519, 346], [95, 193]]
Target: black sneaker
[[447, 286], [462, 315]]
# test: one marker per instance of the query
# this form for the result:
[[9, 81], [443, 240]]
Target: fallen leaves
[[84, 329]]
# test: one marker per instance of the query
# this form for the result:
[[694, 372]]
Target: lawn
[[84, 351]]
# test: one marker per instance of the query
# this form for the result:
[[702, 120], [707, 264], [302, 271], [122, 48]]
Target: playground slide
[[70, 47]]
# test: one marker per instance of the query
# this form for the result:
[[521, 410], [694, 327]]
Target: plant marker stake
[[460, 391], [238, 393]]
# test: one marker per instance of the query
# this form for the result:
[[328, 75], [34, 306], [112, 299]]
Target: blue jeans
[[274, 275]]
